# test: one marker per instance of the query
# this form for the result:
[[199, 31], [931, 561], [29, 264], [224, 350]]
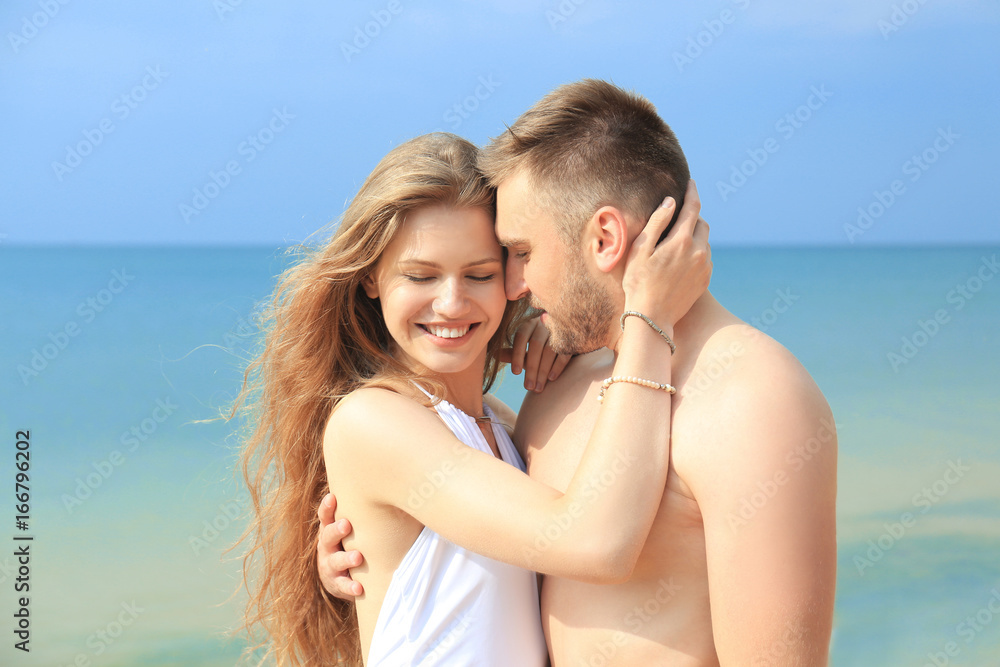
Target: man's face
[[555, 277]]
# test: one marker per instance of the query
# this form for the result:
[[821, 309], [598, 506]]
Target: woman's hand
[[533, 354], [663, 280]]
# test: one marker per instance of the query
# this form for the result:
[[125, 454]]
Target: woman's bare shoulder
[[374, 414]]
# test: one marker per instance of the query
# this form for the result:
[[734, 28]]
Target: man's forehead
[[519, 217], [507, 232]]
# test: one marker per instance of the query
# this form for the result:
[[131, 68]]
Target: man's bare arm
[[766, 484]]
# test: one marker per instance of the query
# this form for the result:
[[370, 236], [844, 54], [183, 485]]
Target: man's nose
[[514, 284]]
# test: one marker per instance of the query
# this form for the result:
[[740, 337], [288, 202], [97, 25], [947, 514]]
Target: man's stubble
[[579, 322]]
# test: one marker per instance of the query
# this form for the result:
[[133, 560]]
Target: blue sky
[[227, 122]]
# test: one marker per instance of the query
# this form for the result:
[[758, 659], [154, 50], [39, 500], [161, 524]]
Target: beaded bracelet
[[636, 313], [631, 379]]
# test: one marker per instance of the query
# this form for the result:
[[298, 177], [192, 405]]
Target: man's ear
[[370, 286], [608, 237]]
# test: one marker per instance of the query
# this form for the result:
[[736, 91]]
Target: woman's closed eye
[[427, 279]]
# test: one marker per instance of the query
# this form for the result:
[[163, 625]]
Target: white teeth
[[444, 332]]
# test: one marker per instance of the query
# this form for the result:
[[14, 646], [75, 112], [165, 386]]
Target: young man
[[740, 565]]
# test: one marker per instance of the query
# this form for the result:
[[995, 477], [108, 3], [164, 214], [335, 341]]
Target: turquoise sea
[[113, 357]]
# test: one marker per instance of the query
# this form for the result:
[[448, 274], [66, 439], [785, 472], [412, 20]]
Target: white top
[[449, 606]]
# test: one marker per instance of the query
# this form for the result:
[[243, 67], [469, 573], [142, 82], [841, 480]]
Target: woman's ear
[[370, 286], [608, 237]]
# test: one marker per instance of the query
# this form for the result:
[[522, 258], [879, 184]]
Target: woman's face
[[441, 287]]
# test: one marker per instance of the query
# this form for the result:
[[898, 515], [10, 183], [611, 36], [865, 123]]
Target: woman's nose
[[451, 301]]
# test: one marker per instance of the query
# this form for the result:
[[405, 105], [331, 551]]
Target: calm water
[[112, 357]]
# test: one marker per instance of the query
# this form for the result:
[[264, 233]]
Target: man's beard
[[585, 311]]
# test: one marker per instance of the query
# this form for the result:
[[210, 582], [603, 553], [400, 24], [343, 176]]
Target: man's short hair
[[590, 144]]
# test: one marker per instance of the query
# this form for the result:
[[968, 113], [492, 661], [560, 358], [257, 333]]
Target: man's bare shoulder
[[746, 399], [564, 395], [755, 444], [739, 364]]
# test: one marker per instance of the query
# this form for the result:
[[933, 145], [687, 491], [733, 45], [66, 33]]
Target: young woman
[[380, 347]]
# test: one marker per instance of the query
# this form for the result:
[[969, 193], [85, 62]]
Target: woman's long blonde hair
[[324, 338]]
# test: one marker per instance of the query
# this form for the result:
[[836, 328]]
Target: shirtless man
[[740, 566]]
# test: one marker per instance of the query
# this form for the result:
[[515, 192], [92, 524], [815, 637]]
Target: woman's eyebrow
[[435, 265]]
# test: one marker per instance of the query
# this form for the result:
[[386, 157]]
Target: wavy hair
[[323, 339]]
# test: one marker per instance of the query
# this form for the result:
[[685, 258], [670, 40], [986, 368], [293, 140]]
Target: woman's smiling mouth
[[448, 332]]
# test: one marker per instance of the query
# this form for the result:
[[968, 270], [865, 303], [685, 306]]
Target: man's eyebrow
[[435, 265], [507, 243]]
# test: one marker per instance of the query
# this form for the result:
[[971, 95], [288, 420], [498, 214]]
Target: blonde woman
[[380, 347]]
